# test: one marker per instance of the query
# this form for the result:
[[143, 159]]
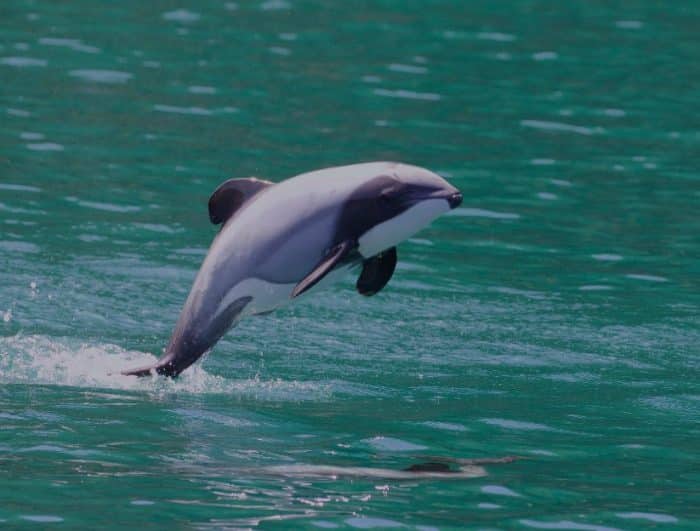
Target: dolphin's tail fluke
[[140, 372], [165, 366]]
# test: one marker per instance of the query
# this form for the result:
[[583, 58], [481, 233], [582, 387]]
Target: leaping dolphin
[[279, 241]]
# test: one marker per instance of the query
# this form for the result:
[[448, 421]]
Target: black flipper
[[376, 272], [231, 194], [332, 259]]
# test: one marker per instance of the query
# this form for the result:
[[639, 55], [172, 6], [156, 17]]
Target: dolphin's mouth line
[[454, 199]]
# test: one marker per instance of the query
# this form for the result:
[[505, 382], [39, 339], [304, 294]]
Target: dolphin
[[280, 241]]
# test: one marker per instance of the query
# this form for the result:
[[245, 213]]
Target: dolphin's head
[[395, 203]]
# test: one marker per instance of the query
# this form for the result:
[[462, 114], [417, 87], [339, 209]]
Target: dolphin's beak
[[455, 199], [451, 195]]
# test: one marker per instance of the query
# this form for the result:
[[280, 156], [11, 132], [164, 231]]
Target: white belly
[[397, 229], [268, 296]]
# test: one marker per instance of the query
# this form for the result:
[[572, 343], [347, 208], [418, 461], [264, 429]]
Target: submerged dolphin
[[279, 241]]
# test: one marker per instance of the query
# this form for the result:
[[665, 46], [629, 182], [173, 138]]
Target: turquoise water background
[[553, 316]]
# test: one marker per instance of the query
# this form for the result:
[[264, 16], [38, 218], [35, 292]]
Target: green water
[[553, 316]]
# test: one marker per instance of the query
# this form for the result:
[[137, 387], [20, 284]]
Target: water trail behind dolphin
[[331, 471]]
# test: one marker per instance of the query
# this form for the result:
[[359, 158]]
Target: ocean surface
[[555, 316]]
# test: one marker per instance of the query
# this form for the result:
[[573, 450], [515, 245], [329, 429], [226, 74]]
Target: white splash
[[44, 360]]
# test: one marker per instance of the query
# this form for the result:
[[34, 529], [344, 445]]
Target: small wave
[[565, 524], [198, 111], [648, 278], [45, 146], [41, 518], [279, 50], [545, 56], [407, 69], [74, 44], [495, 36], [23, 62], [629, 24], [107, 207], [517, 424], [499, 490], [27, 135], [18, 112], [449, 426], [559, 126], [101, 76], [408, 94], [607, 257], [651, 517], [181, 15], [391, 444], [482, 213], [275, 5], [201, 89], [182, 110]]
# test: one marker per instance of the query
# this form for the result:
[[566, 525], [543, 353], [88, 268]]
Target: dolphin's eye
[[385, 198]]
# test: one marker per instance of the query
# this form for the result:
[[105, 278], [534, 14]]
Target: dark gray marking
[[230, 196], [376, 272], [374, 202]]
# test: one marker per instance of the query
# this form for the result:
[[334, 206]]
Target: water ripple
[[482, 213], [648, 278], [499, 490], [181, 15], [495, 36], [73, 44], [23, 62], [45, 146], [566, 524], [407, 94], [651, 517], [19, 187], [107, 207], [408, 69], [559, 126], [101, 76], [517, 424]]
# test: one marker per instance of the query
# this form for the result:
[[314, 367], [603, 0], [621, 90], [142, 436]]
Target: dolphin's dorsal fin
[[376, 272], [231, 194]]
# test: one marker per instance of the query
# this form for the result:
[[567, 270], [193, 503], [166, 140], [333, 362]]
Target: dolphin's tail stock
[[191, 339]]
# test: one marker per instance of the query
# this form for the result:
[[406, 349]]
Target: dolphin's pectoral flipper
[[231, 194], [376, 272], [335, 256]]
